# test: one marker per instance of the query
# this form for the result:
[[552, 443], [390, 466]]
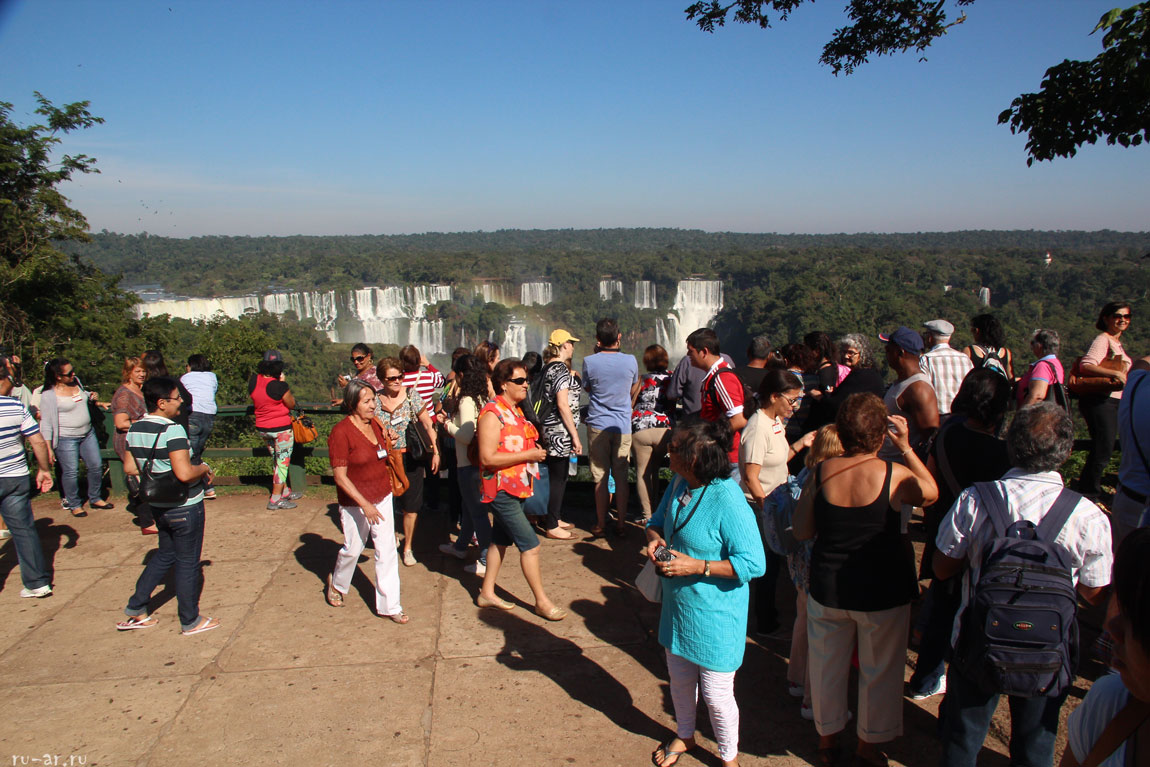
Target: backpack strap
[[995, 507], [1059, 513]]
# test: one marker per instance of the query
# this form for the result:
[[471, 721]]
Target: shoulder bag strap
[[1056, 518], [943, 462], [1118, 731], [994, 505]]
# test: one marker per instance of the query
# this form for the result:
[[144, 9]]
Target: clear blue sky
[[397, 117]]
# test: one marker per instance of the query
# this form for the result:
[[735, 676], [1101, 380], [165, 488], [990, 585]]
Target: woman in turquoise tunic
[[706, 524]]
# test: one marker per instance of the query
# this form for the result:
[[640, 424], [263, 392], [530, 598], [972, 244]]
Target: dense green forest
[[781, 285]]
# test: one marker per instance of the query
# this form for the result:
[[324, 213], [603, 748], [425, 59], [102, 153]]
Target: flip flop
[[144, 622], [207, 624], [400, 618], [667, 752], [333, 596]]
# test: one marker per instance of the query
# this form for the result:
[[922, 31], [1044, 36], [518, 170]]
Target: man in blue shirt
[[611, 380]]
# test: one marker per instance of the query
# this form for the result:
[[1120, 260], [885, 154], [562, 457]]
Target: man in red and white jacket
[[721, 390]]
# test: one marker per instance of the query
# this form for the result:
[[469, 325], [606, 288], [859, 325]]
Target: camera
[[663, 554]]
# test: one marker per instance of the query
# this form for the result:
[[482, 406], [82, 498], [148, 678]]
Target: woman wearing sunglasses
[[364, 363], [1100, 411], [66, 423], [509, 459]]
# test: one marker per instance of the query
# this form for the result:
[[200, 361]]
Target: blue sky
[[399, 117]]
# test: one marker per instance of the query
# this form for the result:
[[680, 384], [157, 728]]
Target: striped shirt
[[967, 529], [722, 397], [16, 423], [945, 367], [425, 382], [166, 436]]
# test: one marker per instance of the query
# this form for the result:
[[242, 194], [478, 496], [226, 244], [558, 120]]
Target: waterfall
[[644, 295], [535, 293], [984, 296], [608, 289], [493, 293], [514, 340], [697, 302], [389, 315]]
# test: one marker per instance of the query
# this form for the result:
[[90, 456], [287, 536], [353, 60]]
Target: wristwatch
[[706, 569]]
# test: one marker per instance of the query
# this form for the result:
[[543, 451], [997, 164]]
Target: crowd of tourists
[[801, 460]]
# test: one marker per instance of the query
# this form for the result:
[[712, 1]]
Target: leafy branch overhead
[[1078, 103]]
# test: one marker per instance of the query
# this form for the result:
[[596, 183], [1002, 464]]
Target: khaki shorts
[[608, 450]]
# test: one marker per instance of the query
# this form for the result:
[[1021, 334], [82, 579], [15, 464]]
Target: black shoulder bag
[[162, 488]]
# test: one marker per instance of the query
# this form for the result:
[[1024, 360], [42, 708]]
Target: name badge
[[77, 398], [685, 498], [381, 453]]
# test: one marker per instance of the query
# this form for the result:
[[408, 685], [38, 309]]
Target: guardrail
[[297, 471]]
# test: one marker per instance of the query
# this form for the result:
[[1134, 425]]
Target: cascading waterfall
[[644, 295], [493, 293], [514, 340], [608, 289], [535, 293], [697, 302]]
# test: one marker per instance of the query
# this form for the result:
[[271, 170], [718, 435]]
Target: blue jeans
[[181, 540], [510, 523], [16, 509], [199, 429], [69, 452], [474, 518], [966, 720]]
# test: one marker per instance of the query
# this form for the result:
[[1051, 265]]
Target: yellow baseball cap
[[560, 337]]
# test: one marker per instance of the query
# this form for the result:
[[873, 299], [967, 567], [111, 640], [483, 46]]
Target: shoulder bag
[[418, 446], [395, 472], [1081, 383], [303, 428], [649, 582], [163, 488]]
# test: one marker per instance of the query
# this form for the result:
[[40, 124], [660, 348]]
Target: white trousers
[[718, 693], [881, 635], [356, 529]]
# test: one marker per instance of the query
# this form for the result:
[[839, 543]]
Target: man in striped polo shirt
[[160, 445], [16, 423]]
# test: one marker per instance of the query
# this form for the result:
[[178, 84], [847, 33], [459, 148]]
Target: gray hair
[[858, 341], [759, 348], [1040, 437], [1048, 340], [351, 394]]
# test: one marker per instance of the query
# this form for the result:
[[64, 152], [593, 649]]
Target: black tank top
[[860, 560]]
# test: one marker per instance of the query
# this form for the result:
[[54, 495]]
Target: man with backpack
[[1030, 547]]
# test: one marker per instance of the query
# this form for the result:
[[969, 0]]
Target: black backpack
[[1019, 632]]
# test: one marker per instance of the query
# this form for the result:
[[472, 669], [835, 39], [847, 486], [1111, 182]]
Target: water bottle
[[611, 482], [573, 467]]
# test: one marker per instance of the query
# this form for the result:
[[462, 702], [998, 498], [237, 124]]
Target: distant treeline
[[781, 285]]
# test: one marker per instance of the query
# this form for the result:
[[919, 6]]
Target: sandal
[[333, 596], [137, 622], [399, 617], [207, 624], [665, 749]]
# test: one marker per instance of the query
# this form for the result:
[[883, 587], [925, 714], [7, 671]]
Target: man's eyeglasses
[[179, 397], [392, 379], [360, 358], [518, 381]]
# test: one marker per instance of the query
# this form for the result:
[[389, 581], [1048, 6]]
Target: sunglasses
[[360, 358], [1121, 317], [392, 379], [518, 381]]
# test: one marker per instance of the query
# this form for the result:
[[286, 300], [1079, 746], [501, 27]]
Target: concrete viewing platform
[[287, 679]]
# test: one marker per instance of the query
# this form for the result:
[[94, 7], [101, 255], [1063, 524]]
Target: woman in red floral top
[[509, 460]]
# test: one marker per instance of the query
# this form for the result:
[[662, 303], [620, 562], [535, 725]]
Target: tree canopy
[[1079, 102]]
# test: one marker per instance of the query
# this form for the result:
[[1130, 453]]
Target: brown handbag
[[1078, 382], [395, 472]]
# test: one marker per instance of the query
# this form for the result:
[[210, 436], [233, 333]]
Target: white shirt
[[966, 529], [945, 367]]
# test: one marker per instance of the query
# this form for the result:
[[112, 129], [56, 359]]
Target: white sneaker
[[476, 568], [794, 690], [450, 550], [5, 534], [409, 559], [939, 689], [40, 593], [806, 712]]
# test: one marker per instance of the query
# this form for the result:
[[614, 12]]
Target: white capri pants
[[719, 695], [356, 529]]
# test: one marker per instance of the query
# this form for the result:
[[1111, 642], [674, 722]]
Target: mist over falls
[[430, 316]]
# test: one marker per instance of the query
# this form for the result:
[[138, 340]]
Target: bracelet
[[908, 450]]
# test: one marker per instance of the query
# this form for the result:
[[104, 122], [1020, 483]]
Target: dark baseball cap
[[272, 355], [905, 338]]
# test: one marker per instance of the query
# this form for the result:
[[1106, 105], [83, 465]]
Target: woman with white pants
[[357, 449]]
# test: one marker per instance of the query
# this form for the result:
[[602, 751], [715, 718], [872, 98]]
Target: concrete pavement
[[289, 680]]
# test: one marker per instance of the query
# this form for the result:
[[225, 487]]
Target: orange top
[[517, 434]]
